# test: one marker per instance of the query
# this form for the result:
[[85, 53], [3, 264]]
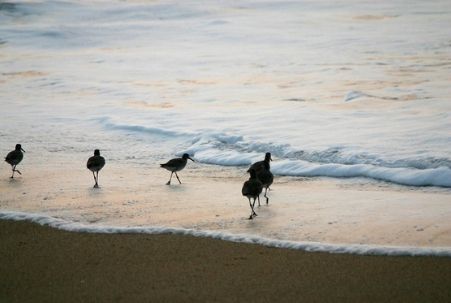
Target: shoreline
[[307, 210], [40, 263], [353, 249]]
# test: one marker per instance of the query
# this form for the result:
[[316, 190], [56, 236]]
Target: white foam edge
[[358, 249]]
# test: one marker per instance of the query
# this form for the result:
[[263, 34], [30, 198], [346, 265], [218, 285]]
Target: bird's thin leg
[[97, 174], [177, 177], [258, 200], [95, 179], [252, 210], [169, 182], [253, 206], [267, 199], [16, 170]]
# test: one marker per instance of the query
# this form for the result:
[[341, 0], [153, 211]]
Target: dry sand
[[40, 264]]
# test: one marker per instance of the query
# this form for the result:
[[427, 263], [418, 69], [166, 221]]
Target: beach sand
[[41, 264], [325, 210]]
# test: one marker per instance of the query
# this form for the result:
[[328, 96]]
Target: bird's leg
[[252, 210], [258, 200], [95, 179], [253, 206], [13, 167], [97, 174], [16, 170], [169, 182], [267, 199], [177, 177]]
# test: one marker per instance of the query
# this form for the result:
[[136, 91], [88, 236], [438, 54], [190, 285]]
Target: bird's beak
[[270, 159], [191, 159], [22, 149]]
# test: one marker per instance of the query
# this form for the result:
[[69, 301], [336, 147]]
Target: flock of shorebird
[[260, 173]]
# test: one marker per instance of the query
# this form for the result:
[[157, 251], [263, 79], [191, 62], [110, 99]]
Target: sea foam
[[440, 176], [62, 224], [211, 146]]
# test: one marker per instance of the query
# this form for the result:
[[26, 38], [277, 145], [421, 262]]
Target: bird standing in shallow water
[[96, 163], [14, 157], [175, 165], [252, 188]]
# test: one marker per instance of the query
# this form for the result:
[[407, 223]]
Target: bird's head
[[96, 152], [19, 147], [186, 156], [268, 157]]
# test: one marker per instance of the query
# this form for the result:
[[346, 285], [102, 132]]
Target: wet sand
[[325, 210], [41, 264]]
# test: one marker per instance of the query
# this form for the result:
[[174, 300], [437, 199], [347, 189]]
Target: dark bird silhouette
[[175, 165], [264, 174], [266, 178], [261, 164], [96, 163], [14, 157], [252, 188]]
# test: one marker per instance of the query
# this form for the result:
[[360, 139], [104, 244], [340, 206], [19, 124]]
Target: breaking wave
[[212, 147]]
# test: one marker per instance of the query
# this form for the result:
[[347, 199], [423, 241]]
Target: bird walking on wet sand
[[264, 173], [14, 157], [261, 164], [175, 165], [252, 188], [95, 164], [266, 178]]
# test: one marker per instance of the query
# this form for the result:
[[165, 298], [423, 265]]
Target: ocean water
[[333, 89]]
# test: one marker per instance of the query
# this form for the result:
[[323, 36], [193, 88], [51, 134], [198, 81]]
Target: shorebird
[[261, 164], [14, 157], [175, 165], [266, 178], [252, 188], [95, 163]]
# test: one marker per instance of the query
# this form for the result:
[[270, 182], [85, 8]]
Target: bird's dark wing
[[173, 162], [245, 189], [95, 162], [257, 166], [9, 156], [252, 188], [14, 157], [266, 177]]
